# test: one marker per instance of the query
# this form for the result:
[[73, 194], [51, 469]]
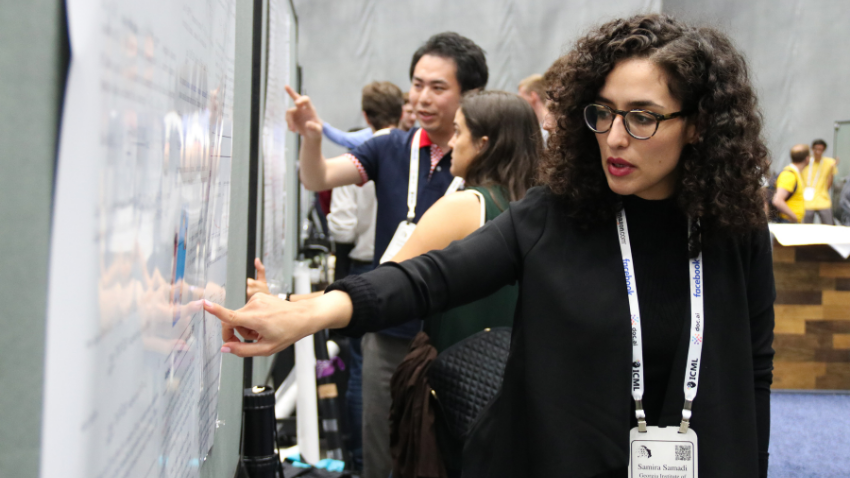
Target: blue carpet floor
[[809, 435]]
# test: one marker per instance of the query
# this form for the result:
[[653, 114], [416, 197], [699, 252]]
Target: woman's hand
[[258, 285], [275, 324]]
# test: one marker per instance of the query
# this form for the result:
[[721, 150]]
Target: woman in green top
[[495, 149]]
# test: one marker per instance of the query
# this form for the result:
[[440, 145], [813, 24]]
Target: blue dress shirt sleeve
[[347, 140]]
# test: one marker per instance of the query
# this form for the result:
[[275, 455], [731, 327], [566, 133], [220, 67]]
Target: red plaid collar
[[424, 139]]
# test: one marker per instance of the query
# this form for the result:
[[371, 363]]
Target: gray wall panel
[[33, 62], [796, 50], [345, 44], [797, 53]]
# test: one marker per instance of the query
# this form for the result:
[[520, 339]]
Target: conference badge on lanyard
[[809, 191], [405, 228], [663, 451]]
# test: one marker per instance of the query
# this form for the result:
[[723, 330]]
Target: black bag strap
[[795, 180]]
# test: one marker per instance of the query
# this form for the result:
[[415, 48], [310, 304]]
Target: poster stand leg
[[307, 419]]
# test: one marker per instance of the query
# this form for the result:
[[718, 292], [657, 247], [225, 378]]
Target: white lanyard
[[413, 178], [809, 182], [697, 329]]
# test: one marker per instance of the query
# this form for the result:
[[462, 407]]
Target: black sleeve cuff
[[365, 302], [763, 461]]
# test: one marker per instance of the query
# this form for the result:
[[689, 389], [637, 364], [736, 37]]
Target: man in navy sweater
[[442, 70]]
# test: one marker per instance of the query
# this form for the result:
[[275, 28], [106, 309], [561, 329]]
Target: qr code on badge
[[683, 453]]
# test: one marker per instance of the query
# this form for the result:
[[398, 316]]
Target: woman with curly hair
[[644, 268]]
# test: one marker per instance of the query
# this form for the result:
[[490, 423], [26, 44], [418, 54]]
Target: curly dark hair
[[720, 174]]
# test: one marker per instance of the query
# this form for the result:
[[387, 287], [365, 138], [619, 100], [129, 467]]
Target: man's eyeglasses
[[640, 124]]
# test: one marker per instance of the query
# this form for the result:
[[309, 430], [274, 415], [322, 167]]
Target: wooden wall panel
[[812, 309]]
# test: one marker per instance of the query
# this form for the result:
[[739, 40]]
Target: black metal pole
[[329, 406], [254, 161]]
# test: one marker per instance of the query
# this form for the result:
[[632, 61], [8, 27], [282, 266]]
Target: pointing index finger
[[261, 269], [292, 93], [224, 314]]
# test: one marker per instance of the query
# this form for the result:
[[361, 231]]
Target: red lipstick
[[619, 167]]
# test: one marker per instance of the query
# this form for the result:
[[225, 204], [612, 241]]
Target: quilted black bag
[[466, 376]]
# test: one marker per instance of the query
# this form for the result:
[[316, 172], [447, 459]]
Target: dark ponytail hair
[[514, 145]]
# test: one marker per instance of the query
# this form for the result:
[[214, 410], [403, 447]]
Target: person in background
[[657, 122], [351, 139], [352, 220], [378, 98], [788, 198], [408, 116], [818, 177], [444, 68], [343, 248], [845, 203], [533, 90], [383, 105]]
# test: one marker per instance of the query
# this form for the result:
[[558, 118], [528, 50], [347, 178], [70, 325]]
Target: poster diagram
[[274, 142], [139, 238]]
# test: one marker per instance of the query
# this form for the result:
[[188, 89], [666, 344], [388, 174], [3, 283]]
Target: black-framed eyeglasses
[[640, 124]]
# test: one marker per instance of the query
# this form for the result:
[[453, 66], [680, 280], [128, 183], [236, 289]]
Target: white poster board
[[274, 143], [139, 238], [837, 237]]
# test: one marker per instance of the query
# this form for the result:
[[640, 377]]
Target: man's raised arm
[[316, 172]]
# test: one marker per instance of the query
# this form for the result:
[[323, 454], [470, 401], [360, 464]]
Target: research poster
[[139, 239], [274, 142]]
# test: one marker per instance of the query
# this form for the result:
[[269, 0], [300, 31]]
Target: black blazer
[[564, 408]]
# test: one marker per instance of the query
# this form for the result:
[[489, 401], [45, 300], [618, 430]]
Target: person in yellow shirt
[[818, 176], [789, 186]]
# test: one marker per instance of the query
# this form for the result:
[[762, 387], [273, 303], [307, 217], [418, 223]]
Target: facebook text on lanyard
[[652, 447], [406, 227]]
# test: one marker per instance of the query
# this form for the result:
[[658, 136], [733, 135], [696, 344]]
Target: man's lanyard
[[697, 329], [413, 178], [809, 182]]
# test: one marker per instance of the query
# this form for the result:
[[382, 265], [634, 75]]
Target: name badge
[[809, 194], [402, 234], [663, 453]]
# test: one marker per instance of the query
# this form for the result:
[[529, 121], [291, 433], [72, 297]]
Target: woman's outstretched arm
[[467, 270]]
